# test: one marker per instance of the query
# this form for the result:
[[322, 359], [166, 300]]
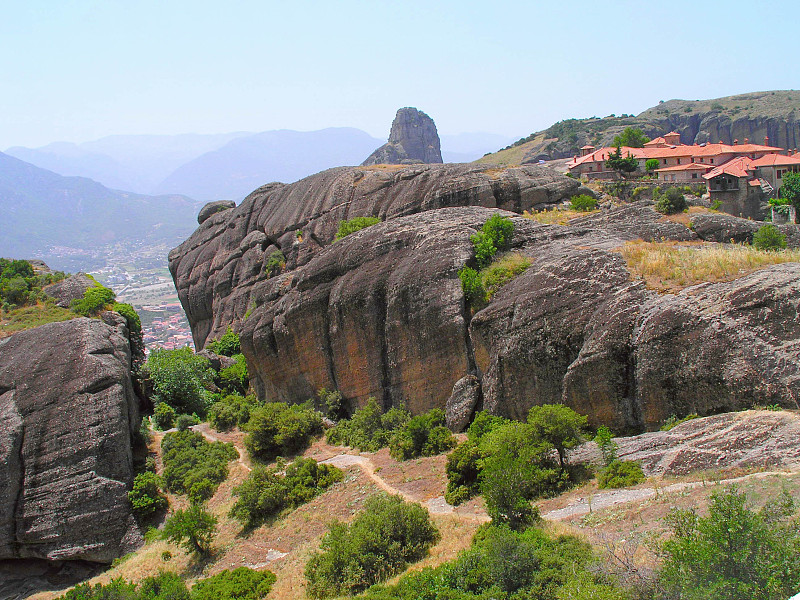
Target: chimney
[[746, 140], [766, 140], [736, 142]]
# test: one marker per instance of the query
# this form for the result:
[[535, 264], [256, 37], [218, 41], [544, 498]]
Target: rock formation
[[412, 139], [381, 313], [69, 289], [67, 414]]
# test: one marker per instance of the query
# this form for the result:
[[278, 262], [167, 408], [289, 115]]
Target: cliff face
[[381, 313], [412, 139], [755, 116], [67, 413]]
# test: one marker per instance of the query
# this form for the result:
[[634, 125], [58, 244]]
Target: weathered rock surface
[[749, 439], [69, 289], [381, 313], [727, 228], [216, 268], [212, 208], [67, 413], [461, 404], [412, 139]]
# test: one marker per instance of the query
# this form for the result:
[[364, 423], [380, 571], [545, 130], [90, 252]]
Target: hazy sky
[[77, 70]]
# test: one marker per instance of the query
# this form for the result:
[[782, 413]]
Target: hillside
[[42, 210], [775, 114]]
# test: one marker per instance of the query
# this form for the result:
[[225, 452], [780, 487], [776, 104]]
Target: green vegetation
[[277, 429], [194, 466], [790, 188], [621, 165], [95, 300], [275, 263], [605, 442], [503, 564], [231, 411], [494, 236], [620, 473], [353, 225], [183, 422], [671, 202], [265, 493], [559, 426], [583, 203], [227, 344], [164, 416], [180, 378], [632, 137], [422, 435], [674, 421], [146, 497], [239, 584], [651, 165], [193, 528], [385, 537], [235, 377], [369, 429], [769, 237], [463, 469], [734, 552], [164, 586], [22, 299], [331, 403]]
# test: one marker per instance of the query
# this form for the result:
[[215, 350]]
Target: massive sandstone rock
[[67, 414], [381, 313], [412, 139]]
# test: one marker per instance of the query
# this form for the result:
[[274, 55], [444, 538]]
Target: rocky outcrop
[[216, 271], [412, 139], [724, 228], [212, 208], [69, 289], [746, 440], [381, 313], [67, 414]]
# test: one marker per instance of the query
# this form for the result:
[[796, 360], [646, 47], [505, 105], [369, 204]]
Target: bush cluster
[[19, 285], [179, 378], [369, 429], [231, 410], [671, 202], [265, 493], [235, 378], [193, 528], [239, 584], [422, 435], [583, 203], [279, 429], [507, 564], [352, 225], [95, 300], [619, 474], [386, 536], [227, 345], [194, 466], [275, 263], [495, 236], [146, 497], [768, 237]]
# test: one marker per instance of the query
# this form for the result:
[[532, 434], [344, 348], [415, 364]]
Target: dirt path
[[205, 430]]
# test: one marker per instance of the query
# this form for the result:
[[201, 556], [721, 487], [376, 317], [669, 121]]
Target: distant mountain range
[[224, 166], [52, 217]]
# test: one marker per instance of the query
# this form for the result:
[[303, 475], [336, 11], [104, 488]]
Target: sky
[[78, 70]]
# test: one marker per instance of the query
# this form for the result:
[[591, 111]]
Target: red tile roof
[[774, 160], [689, 167], [737, 167]]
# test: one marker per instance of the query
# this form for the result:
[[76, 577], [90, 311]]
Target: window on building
[[694, 175], [665, 161], [679, 161], [711, 160]]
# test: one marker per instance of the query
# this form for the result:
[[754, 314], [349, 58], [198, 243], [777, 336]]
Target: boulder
[[69, 289], [463, 401], [412, 139], [213, 208], [718, 227], [67, 415]]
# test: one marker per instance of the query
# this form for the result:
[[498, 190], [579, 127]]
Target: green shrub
[[674, 421], [281, 429], [494, 236], [651, 164], [227, 344], [331, 403], [239, 584], [146, 497], [235, 378], [422, 435], [605, 442], [194, 466], [671, 202], [501, 271], [631, 137], [95, 299], [583, 203], [353, 225], [369, 429], [164, 586], [132, 319], [559, 426], [231, 411], [306, 479], [183, 422], [180, 378], [472, 286], [386, 536], [275, 263], [463, 469], [193, 528], [769, 237], [620, 473], [734, 552], [164, 416], [483, 423]]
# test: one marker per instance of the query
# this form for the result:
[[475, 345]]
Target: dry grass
[[384, 167], [671, 266], [32, 316], [556, 217], [685, 218], [511, 157]]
